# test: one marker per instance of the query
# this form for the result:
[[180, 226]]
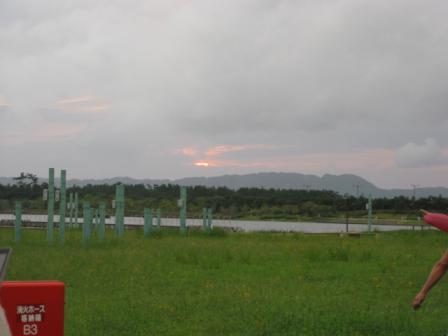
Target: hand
[[418, 300]]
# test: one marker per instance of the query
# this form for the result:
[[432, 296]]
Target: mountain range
[[342, 184]]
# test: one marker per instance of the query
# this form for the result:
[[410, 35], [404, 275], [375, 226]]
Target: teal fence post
[[159, 218], [122, 210], [183, 209], [76, 210], [147, 222], [70, 209], [62, 207], [87, 221], [204, 219], [209, 218], [369, 214], [119, 209], [96, 215], [18, 223], [102, 225], [50, 224]]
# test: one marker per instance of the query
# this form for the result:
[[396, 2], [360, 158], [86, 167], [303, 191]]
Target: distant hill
[[343, 184]]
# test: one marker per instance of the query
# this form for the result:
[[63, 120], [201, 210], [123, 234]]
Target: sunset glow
[[4, 102], [76, 100], [202, 164]]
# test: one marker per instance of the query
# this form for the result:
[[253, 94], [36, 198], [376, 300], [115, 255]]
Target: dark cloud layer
[[350, 77]]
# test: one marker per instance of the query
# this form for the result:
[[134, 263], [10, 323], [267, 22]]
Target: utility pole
[[414, 186], [357, 189]]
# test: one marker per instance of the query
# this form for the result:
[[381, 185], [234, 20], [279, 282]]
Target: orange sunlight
[[202, 164]]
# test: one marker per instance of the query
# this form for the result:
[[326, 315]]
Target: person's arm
[[4, 328], [436, 274]]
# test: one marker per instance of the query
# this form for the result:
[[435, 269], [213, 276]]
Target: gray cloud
[[413, 155], [316, 76]]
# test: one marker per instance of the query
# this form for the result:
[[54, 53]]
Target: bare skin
[[4, 328], [436, 274]]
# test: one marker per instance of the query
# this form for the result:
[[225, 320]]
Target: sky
[[177, 88]]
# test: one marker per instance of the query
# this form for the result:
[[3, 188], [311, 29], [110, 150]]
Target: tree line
[[225, 202]]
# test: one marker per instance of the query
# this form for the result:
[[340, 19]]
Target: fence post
[[159, 218], [119, 209], [122, 209], [209, 218], [87, 220], [62, 206], [183, 209], [18, 223], [147, 222], [76, 210], [50, 224], [204, 219], [95, 223], [102, 225], [369, 214], [70, 209]]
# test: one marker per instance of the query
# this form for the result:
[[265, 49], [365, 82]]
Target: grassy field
[[240, 284]]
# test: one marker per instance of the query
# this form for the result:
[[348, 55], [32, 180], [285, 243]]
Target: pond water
[[249, 226]]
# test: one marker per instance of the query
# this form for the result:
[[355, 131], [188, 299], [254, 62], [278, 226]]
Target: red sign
[[34, 307]]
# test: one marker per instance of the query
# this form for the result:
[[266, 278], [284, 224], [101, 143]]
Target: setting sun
[[202, 164]]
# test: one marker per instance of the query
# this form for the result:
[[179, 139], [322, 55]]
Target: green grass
[[240, 284]]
